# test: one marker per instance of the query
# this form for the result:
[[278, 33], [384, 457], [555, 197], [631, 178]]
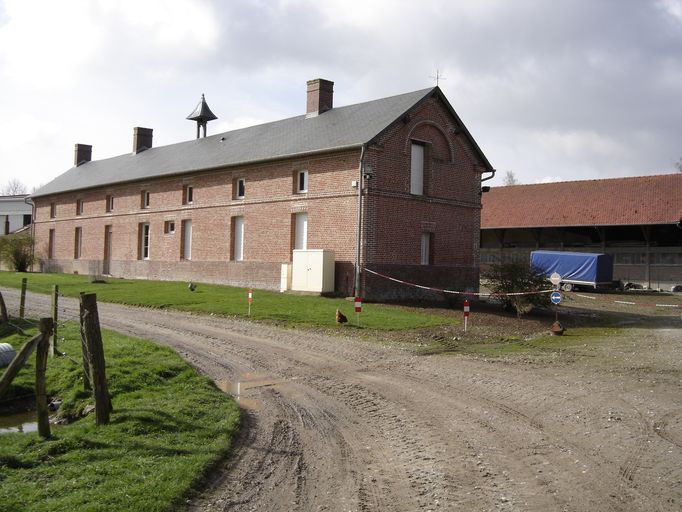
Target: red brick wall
[[270, 200], [449, 208], [393, 221]]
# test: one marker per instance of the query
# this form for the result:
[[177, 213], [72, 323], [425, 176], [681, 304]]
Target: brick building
[[231, 208], [638, 220]]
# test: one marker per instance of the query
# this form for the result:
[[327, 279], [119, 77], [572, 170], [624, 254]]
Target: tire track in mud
[[352, 426]]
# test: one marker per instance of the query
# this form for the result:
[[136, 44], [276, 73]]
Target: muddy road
[[339, 424]]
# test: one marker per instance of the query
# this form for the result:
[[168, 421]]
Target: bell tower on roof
[[202, 115]]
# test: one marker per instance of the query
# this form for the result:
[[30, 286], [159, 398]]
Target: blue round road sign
[[555, 297]]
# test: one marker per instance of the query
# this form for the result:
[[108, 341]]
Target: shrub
[[518, 277], [16, 251]]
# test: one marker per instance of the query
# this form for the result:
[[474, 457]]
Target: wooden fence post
[[55, 319], [22, 302], [4, 318], [93, 340], [87, 374], [41, 367]]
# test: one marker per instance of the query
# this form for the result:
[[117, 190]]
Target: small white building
[[15, 213]]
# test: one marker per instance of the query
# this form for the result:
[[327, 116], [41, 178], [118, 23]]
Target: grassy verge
[[574, 338], [284, 309], [169, 425]]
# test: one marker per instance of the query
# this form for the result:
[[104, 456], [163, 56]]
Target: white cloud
[[672, 7]]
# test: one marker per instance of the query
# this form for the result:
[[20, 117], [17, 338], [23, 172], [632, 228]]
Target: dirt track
[[333, 423]]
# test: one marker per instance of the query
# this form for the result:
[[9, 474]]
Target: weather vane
[[438, 77]]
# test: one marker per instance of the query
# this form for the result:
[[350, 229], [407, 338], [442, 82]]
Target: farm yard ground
[[500, 418]]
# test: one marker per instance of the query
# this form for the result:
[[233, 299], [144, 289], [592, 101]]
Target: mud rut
[[332, 423]]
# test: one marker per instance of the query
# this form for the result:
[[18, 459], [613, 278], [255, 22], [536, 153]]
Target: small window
[[302, 182], [169, 227], [144, 199], [79, 207], [110, 203], [144, 241], [27, 219], [77, 243], [53, 210], [239, 188], [187, 194]]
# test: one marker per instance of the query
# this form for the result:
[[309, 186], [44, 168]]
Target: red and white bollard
[[466, 314], [250, 300], [358, 308]]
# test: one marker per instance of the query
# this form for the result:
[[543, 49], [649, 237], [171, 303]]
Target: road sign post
[[466, 313]]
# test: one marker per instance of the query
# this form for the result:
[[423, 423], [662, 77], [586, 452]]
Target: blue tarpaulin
[[578, 267]]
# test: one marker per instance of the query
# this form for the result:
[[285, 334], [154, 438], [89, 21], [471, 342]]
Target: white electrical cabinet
[[313, 270]]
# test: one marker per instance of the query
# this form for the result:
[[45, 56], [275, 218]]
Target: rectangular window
[[27, 219], [110, 203], [239, 188], [79, 207], [186, 248], [426, 252], [50, 245], [417, 170], [169, 227], [143, 241], [301, 231], [77, 243], [53, 210], [238, 238], [187, 194], [302, 182], [144, 199]]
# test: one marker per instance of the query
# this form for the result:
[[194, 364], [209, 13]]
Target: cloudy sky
[[552, 90]]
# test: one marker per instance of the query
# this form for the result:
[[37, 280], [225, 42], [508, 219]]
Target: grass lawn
[[168, 426], [281, 308]]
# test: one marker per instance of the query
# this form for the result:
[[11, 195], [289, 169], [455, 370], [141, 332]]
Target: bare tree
[[13, 187], [510, 178], [678, 164]]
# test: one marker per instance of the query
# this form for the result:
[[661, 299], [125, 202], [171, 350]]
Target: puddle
[[23, 422], [247, 382]]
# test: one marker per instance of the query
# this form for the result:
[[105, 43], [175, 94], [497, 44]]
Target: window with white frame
[[301, 231], [426, 256], [144, 241], [238, 238], [144, 199], [79, 207], [187, 194], [302, 182], [186, 247], [239, 188], [417, 169], [53, 210], [169, 227], [110, 203]]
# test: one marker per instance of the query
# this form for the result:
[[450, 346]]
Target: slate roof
[[338, 128], [608, 202]]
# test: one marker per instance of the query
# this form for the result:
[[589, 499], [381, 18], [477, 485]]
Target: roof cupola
[[202, 115]]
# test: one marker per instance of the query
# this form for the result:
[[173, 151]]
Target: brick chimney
[[142, 139], [82, 154], [320, 97]]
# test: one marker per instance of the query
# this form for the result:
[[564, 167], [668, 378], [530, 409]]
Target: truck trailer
[[584, 269]]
